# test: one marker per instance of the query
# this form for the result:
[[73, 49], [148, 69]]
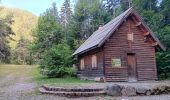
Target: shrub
[[56, 62], [163, 64], [71, 71]]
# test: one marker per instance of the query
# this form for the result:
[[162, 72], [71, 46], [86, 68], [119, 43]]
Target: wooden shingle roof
[[102, 34]]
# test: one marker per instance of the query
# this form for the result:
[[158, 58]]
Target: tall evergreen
[[145, 4], [66, 13], [54, 11], [89, 15], [22, 52], [165, 11], [112, 7], [163, 58], [5, 35], [47, 33], [125, 4]]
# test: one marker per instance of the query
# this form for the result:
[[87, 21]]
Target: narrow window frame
[[94, 61], [82, 66]]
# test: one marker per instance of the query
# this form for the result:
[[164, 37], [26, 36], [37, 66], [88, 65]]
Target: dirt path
[[16, 84], [14, 81]]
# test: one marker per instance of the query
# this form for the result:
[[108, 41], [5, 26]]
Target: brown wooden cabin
[[122, 50]]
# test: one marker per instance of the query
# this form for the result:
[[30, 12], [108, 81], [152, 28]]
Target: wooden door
[[132, 74]]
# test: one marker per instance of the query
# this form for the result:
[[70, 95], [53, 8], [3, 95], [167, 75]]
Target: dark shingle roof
[[99, 36]]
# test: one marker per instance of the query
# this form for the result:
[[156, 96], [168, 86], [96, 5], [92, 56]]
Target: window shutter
[[94, 61], [82, 64]]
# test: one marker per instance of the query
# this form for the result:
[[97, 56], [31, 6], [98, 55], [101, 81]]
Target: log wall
[[88, 71], [117, 46]]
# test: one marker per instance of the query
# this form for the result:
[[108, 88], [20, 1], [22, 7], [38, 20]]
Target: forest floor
[[16, 83]]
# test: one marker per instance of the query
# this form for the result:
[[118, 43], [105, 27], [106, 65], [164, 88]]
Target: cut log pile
[[112, 90]]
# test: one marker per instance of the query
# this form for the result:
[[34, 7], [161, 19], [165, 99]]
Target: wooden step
[[71, 94], [61, 89]]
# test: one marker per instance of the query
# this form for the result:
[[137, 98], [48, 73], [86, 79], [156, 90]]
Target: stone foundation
[[112, 90]]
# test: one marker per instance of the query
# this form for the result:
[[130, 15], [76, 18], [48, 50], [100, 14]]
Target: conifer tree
[[5, 35], [54, 11], [66, 13], [47, 33]]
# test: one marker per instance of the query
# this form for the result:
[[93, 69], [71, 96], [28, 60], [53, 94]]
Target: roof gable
[[98, 38]]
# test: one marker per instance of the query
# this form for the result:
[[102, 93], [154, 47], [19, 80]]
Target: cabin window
[[116, 62], [94, 61], [82, 64], [130, 36]]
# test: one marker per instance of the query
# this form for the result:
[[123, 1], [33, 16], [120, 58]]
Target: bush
[[71, 71], [56, 62], [163, 65]]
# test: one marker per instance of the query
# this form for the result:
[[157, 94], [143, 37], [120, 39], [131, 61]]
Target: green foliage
[[163, 63], [47, 33], [65, 13], [22, 53], [163, 58], [23, 23], [88, 16], [165, 11], [41, 79], [55, 61], [5, 36], [145, 5]]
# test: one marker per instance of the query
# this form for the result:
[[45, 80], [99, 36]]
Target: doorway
[[132, 73]]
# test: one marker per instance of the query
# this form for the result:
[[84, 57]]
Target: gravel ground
[[15, 84]]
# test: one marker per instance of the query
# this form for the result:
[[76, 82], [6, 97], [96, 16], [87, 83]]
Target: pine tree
[[5, 35], [125, 4], [22, 51], [88, 16], [165, 11], [47, 33], [54, 11], [145, 5], [164, 34], [66, 13], [111, 6]]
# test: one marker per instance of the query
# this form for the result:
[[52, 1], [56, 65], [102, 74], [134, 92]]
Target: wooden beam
[[140, 27], [138, 24], [134, 19], [154, 44], [129, 27], [146, 33]]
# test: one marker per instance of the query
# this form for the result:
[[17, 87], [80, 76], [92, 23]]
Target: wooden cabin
[[122, 50]]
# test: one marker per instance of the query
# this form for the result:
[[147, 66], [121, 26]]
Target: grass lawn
[[40, 79], [6, 69]]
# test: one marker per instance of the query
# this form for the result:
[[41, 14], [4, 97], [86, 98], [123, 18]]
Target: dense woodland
[[22, 24], [59, 32]]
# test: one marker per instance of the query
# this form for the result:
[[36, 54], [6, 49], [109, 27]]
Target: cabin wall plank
[[88, 71], [117, 46]]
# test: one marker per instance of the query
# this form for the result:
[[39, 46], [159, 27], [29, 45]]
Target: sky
[[35, 6]]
